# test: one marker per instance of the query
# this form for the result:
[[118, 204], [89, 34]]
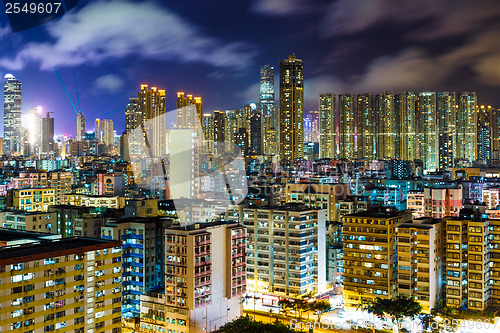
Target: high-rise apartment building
[[447, 127], [291, 119], [370, 252], [347, 126], [205, 276], [12, 113], [420, 246], [70, 284], [406, 106], [366, 126], [286, 250], [107, 132], [256, 134], [80, 127], [428, 129], [188, 117], [485, 123], [142, 258], [152, 102], [327, 127], [48, 145], [440, 202], [133, 115], [466, 127], [98, 130], [387, 126]]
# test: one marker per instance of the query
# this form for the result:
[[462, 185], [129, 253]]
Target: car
[[387, 326], [352, 323]]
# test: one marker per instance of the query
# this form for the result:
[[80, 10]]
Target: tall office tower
[[387, 126], [428, 130], [204, 276], [466, 127], [327, 129], [12, 113], [218, 126], [495, 135], [484, 129], [256, 134], [153, 105], [307, 129], [347, 126], [406, 104], [266, 91], [133, 115], [80, 127], [447, 120], [186, 118], [33, 126], [107, 132], [366, 127], [291, 119], [61, 285], [98, 130], [48, 136]]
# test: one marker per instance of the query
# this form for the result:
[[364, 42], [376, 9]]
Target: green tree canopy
[[248, 325]]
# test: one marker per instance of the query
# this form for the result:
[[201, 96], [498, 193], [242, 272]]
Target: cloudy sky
[[213, 48]]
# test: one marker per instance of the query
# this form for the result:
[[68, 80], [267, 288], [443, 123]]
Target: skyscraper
[[347, 126], [406, 104], [266, 91], [153, 105], [387, 126], [256, 134], [366, 127], [218, 126], [484, 129], [466, 126], [447, 121], [133, 119], [185, 119], [133, 115], [107, 132], [48, 136], [428, 134], [33, 124], [291, 120], [12, 113], [327, 129], [98, 130], [80, 127]]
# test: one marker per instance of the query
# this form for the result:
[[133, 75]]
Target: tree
[[285, 305], [320, 306], [247, 324], [397, 308], [441, 319]]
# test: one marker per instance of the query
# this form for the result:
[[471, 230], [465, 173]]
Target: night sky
[[213, 48]]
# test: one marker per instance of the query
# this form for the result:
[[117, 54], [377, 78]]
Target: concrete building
[[205, 276], [63, 285], [420, 261], [31, 199], [318, 196], [286, 251], [31, 221], [441, 202], [370, 265]]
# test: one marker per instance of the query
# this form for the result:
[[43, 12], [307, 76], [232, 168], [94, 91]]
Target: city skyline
[[229, 78]]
